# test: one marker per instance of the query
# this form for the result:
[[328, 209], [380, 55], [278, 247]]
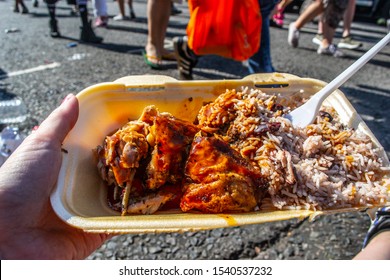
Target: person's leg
[[82, 6], [278, 12], [100, 12], [122, 12], [121, 6], [158, 17], [261, 61], [334, 12], [348, 18], [327, 47], [166, 13], [313, 10], [346, 42], [328, 33], [87, 34], [95, 5], [24, 8], [185, 57], [51, 7], [132, 13], [16, 7], [320, 34], [99, 8]]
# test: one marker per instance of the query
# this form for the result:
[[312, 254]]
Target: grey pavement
[[42, 71]]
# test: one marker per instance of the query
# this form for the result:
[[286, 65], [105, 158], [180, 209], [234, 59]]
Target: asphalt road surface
[[42, 71]]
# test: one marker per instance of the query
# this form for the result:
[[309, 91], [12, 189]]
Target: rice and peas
[[325, 165]]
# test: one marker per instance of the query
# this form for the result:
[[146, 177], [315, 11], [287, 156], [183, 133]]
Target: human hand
[[29, 227]]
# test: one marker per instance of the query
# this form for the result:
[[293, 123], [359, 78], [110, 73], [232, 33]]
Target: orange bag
[[229, 28]]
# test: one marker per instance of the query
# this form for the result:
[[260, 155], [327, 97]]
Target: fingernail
[[69, 96]]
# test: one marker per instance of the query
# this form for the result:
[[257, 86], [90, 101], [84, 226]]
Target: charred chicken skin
[[160, 160], [173, 138], [219, 179], [157, 143]]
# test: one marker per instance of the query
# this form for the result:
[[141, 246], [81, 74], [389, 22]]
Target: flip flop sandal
[[154, 65]]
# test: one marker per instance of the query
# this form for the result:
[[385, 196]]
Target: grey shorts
[[334, 11]]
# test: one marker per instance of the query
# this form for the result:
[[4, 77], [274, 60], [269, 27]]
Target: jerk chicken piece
[[119, 157], [219, 179], [141, 158], [172, 141], [149, 203], [167, 197]]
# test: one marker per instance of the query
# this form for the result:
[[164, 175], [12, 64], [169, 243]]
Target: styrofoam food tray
[[80, 196]]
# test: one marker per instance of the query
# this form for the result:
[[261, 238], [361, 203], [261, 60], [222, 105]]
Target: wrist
[[380, 224]]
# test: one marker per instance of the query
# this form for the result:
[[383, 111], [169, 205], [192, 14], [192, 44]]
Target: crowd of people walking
[[329, 12]]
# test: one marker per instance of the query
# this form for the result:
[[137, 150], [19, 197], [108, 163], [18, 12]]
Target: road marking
[[31, 70]]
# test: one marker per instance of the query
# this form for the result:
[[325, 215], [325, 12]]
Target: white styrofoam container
[[80, 196]]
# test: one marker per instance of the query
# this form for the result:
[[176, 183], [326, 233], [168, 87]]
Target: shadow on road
[[3, 75], [46, 15], [372, 105]]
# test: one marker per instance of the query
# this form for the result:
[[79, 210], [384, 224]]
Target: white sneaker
[[119, 17], [330, 50], [318, 39], [293, 35], [348, 43]]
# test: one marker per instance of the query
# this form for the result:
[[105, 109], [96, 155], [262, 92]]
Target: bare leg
[[328, 33], [329, 28], [346, 42], [320, 27], [158, 17], [313, 10], [130, 4], [348, 18], [121, 5]]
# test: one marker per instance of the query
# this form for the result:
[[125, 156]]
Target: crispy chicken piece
[[172, 138], [215, 117], [219, 179], [148, 204], [122, 152], [120, 155]]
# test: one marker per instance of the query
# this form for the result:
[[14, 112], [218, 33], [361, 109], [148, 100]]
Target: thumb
[[33, 168], [58, 124]]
